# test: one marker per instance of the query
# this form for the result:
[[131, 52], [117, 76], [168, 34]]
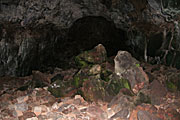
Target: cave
[[89, 31], [53, 64], [45, 47], [84, 34], [57, 47]]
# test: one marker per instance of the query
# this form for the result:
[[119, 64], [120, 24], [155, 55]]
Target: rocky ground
[[96, 89]]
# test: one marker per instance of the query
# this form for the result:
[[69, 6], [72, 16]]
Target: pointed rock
[[129, 68]]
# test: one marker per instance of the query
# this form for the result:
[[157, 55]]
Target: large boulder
[[129, 68]]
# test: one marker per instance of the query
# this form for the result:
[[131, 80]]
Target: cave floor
[[40, 104]]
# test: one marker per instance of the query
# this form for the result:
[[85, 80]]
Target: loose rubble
[[94, 91]]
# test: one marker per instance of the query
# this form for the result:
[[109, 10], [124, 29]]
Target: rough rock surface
[[40, 105], [129, 68], [31, 30], [65, 12], [91, 92]]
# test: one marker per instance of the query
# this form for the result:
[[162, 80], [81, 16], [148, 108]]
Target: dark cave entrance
[[90, 31], [50, 46], [57, 47]]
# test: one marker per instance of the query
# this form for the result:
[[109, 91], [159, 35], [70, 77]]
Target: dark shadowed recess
[[47, 46], [154, 45], [89, 31], [84, 34]]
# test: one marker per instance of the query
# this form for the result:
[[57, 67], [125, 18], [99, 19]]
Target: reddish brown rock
[[27, 115], [94, 56], [157, 92], [122, 114], [97, 113], [121, 102], [11, 84], [93, 90], [173, 113]]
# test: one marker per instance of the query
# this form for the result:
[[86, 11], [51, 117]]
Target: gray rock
[[21, 107], [129, 68], [124, 61], [123, 114]]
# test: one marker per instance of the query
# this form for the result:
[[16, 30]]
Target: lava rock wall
[[27, 40]]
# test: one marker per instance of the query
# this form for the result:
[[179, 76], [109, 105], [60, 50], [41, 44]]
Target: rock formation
[[33, 31]]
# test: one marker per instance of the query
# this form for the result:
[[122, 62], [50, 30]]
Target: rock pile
[[94, 90]]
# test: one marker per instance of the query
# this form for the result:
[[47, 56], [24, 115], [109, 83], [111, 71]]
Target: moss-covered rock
[[94, 90], [95, 71], [80, 62], [80, 77], [95, 79], [115, 84], [95, 56]]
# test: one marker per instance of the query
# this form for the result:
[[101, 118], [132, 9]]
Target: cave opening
[[84, 34], [87, 32], [49, 46], [52, 47]]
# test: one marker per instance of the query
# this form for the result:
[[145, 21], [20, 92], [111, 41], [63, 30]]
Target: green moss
[[126, 84], [76, 81], [117, 84], [171, 86], [80, 63], [137, 65], [83, 59], [85, 79]]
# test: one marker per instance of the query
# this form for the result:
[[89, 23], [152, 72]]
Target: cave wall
[[27, 49], [24, 49], [32, 30], [64, 12]]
